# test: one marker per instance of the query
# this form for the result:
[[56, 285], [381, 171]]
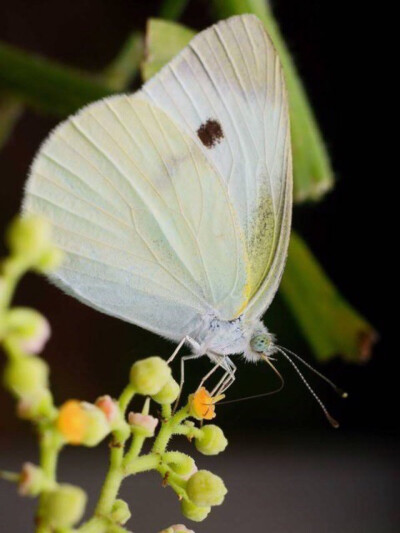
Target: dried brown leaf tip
[[366, 341]]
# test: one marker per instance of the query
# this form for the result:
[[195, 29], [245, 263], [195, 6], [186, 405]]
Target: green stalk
[[172, 9], [112, 483], [329, 323], [167, 430], [49, 448], [46, 85], [123, 69], [115, 474]]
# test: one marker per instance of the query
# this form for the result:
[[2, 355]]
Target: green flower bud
[[120, 512], [50, 260], [193, 512], [63, 506], [212, 440], [149, 376], [97, 425], [26, 376], [28, 328], [168, 393], [29, 237], [35, 406], [205, 489], [180, 463]]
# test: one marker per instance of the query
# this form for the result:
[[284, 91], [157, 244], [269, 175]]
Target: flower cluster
[[23, 334]]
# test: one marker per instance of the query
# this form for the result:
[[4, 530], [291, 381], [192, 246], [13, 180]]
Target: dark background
[[287, 469]]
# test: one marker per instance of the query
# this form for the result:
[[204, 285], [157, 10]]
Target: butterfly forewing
[[138, 210], [226, 90]]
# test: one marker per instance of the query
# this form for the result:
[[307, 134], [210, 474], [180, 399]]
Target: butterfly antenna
[[338, 390], [275, 391], [334, 423]]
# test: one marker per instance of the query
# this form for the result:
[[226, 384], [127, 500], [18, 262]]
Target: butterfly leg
[[218, 364], [182, 381], [227, 379], [187, 339]]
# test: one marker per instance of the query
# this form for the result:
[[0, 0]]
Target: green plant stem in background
[[330, 324], [46, 85], [164, 39], [172, 9], [313, 175], [122, 71]]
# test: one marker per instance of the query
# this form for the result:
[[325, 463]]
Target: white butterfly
[[173, 205]]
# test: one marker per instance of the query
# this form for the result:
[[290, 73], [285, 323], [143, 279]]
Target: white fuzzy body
[[222, 337]]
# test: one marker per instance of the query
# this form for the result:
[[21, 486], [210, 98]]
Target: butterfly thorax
[[228, 337]]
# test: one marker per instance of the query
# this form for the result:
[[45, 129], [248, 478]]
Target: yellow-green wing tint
[[143, 217], [226, 90]]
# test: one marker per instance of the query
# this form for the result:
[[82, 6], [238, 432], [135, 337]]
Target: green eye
[[260, 343]]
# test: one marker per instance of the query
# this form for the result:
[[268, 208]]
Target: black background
[[341, 60]]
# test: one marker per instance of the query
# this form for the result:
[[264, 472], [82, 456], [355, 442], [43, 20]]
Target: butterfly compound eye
[[260, 343]]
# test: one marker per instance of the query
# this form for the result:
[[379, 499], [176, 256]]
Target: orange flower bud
[[202, 404], [72, 421]]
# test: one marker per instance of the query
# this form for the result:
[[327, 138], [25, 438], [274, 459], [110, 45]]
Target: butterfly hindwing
[[143, 217]]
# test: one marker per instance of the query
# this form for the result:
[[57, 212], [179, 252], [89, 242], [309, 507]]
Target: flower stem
[[49, 448], [14, 477], [115, 475], [167, 430], [112, 483], [126, 397]]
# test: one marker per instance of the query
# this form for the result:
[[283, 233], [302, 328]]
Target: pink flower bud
[[146, 422], [177, 528], [108, 406], [37, 341], [31, 480]]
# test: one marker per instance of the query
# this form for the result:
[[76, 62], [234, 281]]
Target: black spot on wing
[[210, 133]]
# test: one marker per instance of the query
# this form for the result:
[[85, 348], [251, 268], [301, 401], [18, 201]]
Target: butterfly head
[[261, 344]]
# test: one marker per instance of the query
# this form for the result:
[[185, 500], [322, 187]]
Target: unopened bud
[[205, 489], [26, 376], [211, 440], [50, 260], [193, 512], [29, 237], [143, 424], [35, 406], [64, 506], [82, 423], [149, 376], [168, 393], [28, 328], [120, 512], [31, 481], [109, 407]]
